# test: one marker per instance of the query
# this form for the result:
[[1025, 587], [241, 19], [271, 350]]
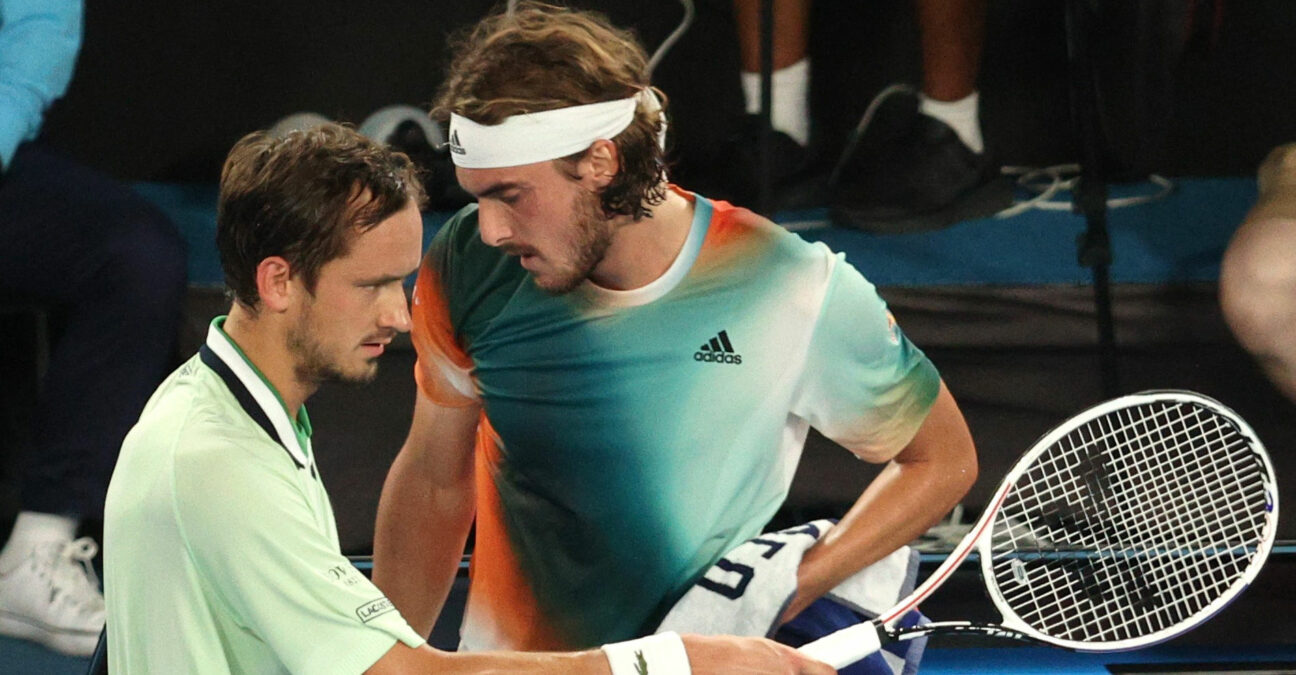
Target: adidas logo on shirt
[[718, 350]]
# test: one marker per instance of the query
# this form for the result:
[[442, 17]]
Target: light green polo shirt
[[221, 553]]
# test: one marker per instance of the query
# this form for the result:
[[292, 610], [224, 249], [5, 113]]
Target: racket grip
[[846, 646]]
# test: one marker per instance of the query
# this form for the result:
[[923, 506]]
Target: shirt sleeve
[[443, 370], [270, 563], [865, 386], [39, 40]]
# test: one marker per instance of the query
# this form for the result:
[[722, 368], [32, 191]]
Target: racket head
[[1131, 523]]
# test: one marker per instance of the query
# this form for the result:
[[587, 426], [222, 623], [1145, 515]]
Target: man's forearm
[[701, 655], [419, 540], [912, 493], [902, 503]]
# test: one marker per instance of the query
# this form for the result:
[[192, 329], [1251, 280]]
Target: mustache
[[385, 336], [518, 250]]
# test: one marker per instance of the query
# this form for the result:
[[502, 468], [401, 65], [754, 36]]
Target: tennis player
[[221, 551], [636, 366]]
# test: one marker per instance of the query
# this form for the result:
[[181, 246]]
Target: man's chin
[[355, 377], [365, 376], [558, 284]]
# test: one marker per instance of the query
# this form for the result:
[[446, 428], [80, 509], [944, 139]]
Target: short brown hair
[[542, 57], [298, 196]]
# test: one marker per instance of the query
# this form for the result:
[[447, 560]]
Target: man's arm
[[706, 655], [423, 518], [1258, 272], [425, 511], [39, 40], [916, 488]]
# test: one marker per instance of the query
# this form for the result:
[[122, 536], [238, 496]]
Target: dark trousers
[[113, 267]]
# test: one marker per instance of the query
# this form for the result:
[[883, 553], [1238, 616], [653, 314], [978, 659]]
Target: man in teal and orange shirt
[[636, 366]]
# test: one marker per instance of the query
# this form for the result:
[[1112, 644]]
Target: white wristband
[[661, 654]]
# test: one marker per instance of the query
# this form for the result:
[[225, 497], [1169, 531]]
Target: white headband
[[542, 136]]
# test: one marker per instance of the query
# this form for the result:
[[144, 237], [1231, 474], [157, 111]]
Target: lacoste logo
[[374, 609], [641, 664], [455, 147], [718, 350]]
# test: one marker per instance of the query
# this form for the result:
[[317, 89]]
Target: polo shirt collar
[[256, 395]]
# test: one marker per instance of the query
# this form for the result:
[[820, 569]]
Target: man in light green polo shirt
[[220, 547]]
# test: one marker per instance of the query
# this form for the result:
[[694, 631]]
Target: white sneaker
[[52, 597]]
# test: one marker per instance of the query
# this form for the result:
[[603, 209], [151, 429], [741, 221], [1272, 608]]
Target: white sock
[[961, 115], [789, 99], [32, 527]]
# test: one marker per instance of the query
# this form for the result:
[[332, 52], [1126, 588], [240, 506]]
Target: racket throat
[[955, 628]]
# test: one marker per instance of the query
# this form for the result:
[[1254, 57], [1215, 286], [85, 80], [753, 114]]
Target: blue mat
[[20, 657], [1177, 239]]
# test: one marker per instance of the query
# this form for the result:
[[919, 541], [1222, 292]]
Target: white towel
[[747, 590]]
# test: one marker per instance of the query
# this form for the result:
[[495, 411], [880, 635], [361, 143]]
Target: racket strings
[[1167, 507], [1125, 580], [1213, 511], [1118, 577], [1130, 524]]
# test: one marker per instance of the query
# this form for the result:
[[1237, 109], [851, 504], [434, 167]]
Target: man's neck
[[642, 251], [265, 346]]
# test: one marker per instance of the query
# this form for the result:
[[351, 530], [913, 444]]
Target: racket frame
[[865, 638], [985, 544]]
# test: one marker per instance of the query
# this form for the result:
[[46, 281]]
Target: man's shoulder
[[193, 410], [190, 428], [738, 223], [749, 241]]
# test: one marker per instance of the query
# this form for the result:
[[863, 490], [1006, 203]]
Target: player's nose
[[395, 311], [493, 223]]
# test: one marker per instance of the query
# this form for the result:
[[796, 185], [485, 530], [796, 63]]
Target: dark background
[[162, 89]]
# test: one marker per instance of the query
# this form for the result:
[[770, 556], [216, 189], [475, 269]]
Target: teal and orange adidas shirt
[[630, 438]]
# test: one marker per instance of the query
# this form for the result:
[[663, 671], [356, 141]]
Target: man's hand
[[739, 656]]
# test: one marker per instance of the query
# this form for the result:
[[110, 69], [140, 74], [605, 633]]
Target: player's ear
[[275, 285], [599, 165]]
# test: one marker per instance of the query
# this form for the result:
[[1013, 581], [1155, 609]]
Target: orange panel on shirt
[[437, 348], [497, 580]]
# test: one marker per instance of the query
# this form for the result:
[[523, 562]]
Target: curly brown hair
[[300, 197], [543, 57]]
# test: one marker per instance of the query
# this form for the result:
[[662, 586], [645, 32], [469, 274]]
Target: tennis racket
[[1129, 524]]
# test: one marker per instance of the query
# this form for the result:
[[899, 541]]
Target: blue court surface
[[19, 657], [1178, 238]]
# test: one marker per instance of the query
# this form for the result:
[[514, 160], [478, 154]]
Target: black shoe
[[919, 177], [797, 179]]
